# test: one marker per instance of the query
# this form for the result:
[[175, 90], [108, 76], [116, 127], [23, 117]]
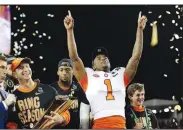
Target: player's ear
[[57, 72], [130, 97]]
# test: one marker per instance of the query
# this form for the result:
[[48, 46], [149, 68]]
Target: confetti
[[24, 25], [33, 34], [163, 24], [150, 12], [170, 107], [18, 30], [14, 18], [176, 6], [23, 39], [172, 110], [180, 28], [40, 57], [49, 37], [176, 36], [23, 30], [178, 54], [21, 21], [32, 62], [172, 39], [12, 33], [176, 49], [171, 47], [41, 43], [19, 53], [31, 45], [37, 31], [21, 15], [173, 21], [15, 34], [40, 36], [49, 15], [165, 75], [177, 12], [173, 97], [168, 12], [18, 8], [36, 22], [178, 16], [25, 47], [44, 34], [159, 16], [166, 110], [177, 61], [151, 24], [44, 69], [176, 24]]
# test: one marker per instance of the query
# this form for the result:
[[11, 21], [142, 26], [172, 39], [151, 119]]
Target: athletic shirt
[[105, 92], [32, 104]]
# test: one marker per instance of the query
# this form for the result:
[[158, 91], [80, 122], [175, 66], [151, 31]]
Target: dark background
[[113, 27]]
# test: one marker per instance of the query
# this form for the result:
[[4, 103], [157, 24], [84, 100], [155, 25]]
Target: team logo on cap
[[99, 50]]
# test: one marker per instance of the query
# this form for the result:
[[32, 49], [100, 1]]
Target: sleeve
[[82, 96], [84, 82], [84, 116], [3, 109], [66, 116]]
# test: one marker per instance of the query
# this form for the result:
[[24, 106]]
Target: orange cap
[[17, 61]]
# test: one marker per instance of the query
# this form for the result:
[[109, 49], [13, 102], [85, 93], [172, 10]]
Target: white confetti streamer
[[176, 49], [14, 18], [163, 24], [40, 57], [159, 16], [37, 31], [165, 75], [177, 61], [25, 47], [168, 12], [176, 36], [36, 22], [44, 34], [49, 37], [173, 21], [44, 69], [23, 30], [31, 45], [15, 34], [172, 39], [40, 36], [150, 12]]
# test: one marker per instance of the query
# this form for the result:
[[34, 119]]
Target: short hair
[[134, 87], [3, 58]]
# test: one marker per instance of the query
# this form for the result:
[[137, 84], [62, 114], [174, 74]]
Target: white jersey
[[106, 92]]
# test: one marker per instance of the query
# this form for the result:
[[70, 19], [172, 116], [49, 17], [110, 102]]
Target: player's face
[[9, 71], [3, 70], [65, 73], [23, 72], [101, 63], [138, 98]]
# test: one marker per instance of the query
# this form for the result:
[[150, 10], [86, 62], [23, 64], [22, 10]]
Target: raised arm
[[78, 66], [132, 65]]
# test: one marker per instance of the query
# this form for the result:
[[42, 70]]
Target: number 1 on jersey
[[109, 96]]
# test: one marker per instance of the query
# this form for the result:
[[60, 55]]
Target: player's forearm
[[138, 47], [72, 45]]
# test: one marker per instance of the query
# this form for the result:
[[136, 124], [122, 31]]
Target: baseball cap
[[65, 62], [17, 61], [98, 51], [10, 58]]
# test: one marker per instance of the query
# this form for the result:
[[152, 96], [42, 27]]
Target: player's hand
[[69, 21], [139, 124], [142, 21], [74, 105], [10, 99], [55, 119]]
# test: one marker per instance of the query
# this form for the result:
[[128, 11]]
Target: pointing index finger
[[140, 13], [69, 12]]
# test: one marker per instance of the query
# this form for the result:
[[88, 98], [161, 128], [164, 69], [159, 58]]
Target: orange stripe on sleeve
[[126, 79], [66, 115], [84, 82]]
